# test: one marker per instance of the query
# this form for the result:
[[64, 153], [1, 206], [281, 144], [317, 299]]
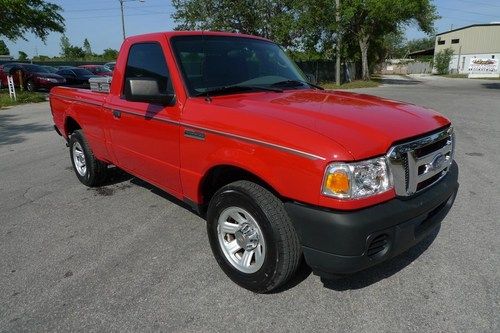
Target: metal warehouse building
[[476, 48]]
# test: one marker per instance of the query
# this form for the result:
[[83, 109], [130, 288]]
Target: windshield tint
[[81, 71], [50, 69], [34, 69], [210, 62], [101, 69]]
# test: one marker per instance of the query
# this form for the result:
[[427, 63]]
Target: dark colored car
[[76, 76], [33, 77], [98, 70]]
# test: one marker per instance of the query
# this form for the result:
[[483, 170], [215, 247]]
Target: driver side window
[[146, 60]]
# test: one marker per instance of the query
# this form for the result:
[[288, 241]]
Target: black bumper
[[344, 242]]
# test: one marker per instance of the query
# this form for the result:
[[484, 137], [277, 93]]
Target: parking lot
[[128, 257]]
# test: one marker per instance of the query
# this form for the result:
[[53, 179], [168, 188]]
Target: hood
[[50, 75], [365, 126]]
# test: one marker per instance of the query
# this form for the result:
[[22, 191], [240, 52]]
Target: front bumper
[[344, 242]]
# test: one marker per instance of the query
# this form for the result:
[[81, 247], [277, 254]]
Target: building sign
[[483, 65]]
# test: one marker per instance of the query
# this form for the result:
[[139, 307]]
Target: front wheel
[[30, 86], [252, 237]]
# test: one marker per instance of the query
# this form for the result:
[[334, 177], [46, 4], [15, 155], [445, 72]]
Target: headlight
[[357, 180], [49, 79]]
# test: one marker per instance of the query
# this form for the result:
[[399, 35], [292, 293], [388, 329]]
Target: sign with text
[[482, 65]]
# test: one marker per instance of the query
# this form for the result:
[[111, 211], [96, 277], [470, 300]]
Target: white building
[[476, 48]]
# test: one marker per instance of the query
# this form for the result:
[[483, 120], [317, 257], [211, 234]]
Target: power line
[[110, 16], [479, 3], [109, 8], [469, 12]]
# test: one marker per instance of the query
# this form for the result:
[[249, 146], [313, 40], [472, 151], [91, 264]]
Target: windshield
[[101, 69], [50, 69], [34, 69], [81, 71], [211, 62]]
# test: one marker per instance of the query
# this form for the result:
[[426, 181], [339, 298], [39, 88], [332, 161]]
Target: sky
[[100, 22]]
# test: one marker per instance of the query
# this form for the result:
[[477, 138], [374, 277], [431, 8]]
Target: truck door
[[145, 137]]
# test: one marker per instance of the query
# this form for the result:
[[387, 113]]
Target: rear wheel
[[252, 237], [89, 170]]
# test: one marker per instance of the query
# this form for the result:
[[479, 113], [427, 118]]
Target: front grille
[[418, 164], [426, 150], [377, 245], [430, 181]]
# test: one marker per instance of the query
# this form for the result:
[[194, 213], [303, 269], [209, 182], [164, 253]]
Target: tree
[[271, 19], [75, 52], [442, 61], [86, 48], [36, 16], [69, 51], [109, 54], [420, 44], [65, 45], [41, 57], [4, 50], [22, 56], [367, 20]]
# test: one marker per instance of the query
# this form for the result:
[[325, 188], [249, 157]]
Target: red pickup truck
[[281, 169]]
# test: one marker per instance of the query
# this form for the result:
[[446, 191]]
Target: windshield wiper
[[235, 88], [295, 83]]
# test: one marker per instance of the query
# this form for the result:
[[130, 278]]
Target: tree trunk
[[363, 45]]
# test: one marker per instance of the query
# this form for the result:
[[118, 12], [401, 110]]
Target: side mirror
[[146, 90], [311, 78]]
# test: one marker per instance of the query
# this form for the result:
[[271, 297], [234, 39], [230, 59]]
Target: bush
[[442, 61]]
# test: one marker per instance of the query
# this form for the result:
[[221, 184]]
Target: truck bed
[[85, 108]]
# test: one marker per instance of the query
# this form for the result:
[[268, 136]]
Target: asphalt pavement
[[128, 257]]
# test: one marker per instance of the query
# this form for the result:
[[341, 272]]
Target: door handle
[[117, 113]]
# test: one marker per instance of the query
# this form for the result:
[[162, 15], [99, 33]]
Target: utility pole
[[339, 35], [123, 19], [123, 16]]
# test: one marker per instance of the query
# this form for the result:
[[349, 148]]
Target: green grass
[[23, 97], [373, 83]]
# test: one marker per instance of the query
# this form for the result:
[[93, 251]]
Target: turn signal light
[[338, 182]]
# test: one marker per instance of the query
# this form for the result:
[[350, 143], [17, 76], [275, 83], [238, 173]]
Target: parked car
[[34, 77], [99, 70], [280, 168], [110, 65], [76, 76]]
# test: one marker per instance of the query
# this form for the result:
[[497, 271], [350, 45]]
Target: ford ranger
[[282, 170]]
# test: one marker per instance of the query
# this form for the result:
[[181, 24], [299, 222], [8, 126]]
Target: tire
[[30, 86], [276, 248], [89, 170]]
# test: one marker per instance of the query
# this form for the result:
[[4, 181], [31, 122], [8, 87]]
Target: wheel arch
[[220, 175], [70, 125]]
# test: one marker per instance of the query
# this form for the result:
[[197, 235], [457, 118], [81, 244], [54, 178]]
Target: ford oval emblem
[[437, 161]]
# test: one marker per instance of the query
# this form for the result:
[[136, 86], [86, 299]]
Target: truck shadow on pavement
[[404, 80], [384, 270], [356, 281], [12, 132], [491, 85]]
